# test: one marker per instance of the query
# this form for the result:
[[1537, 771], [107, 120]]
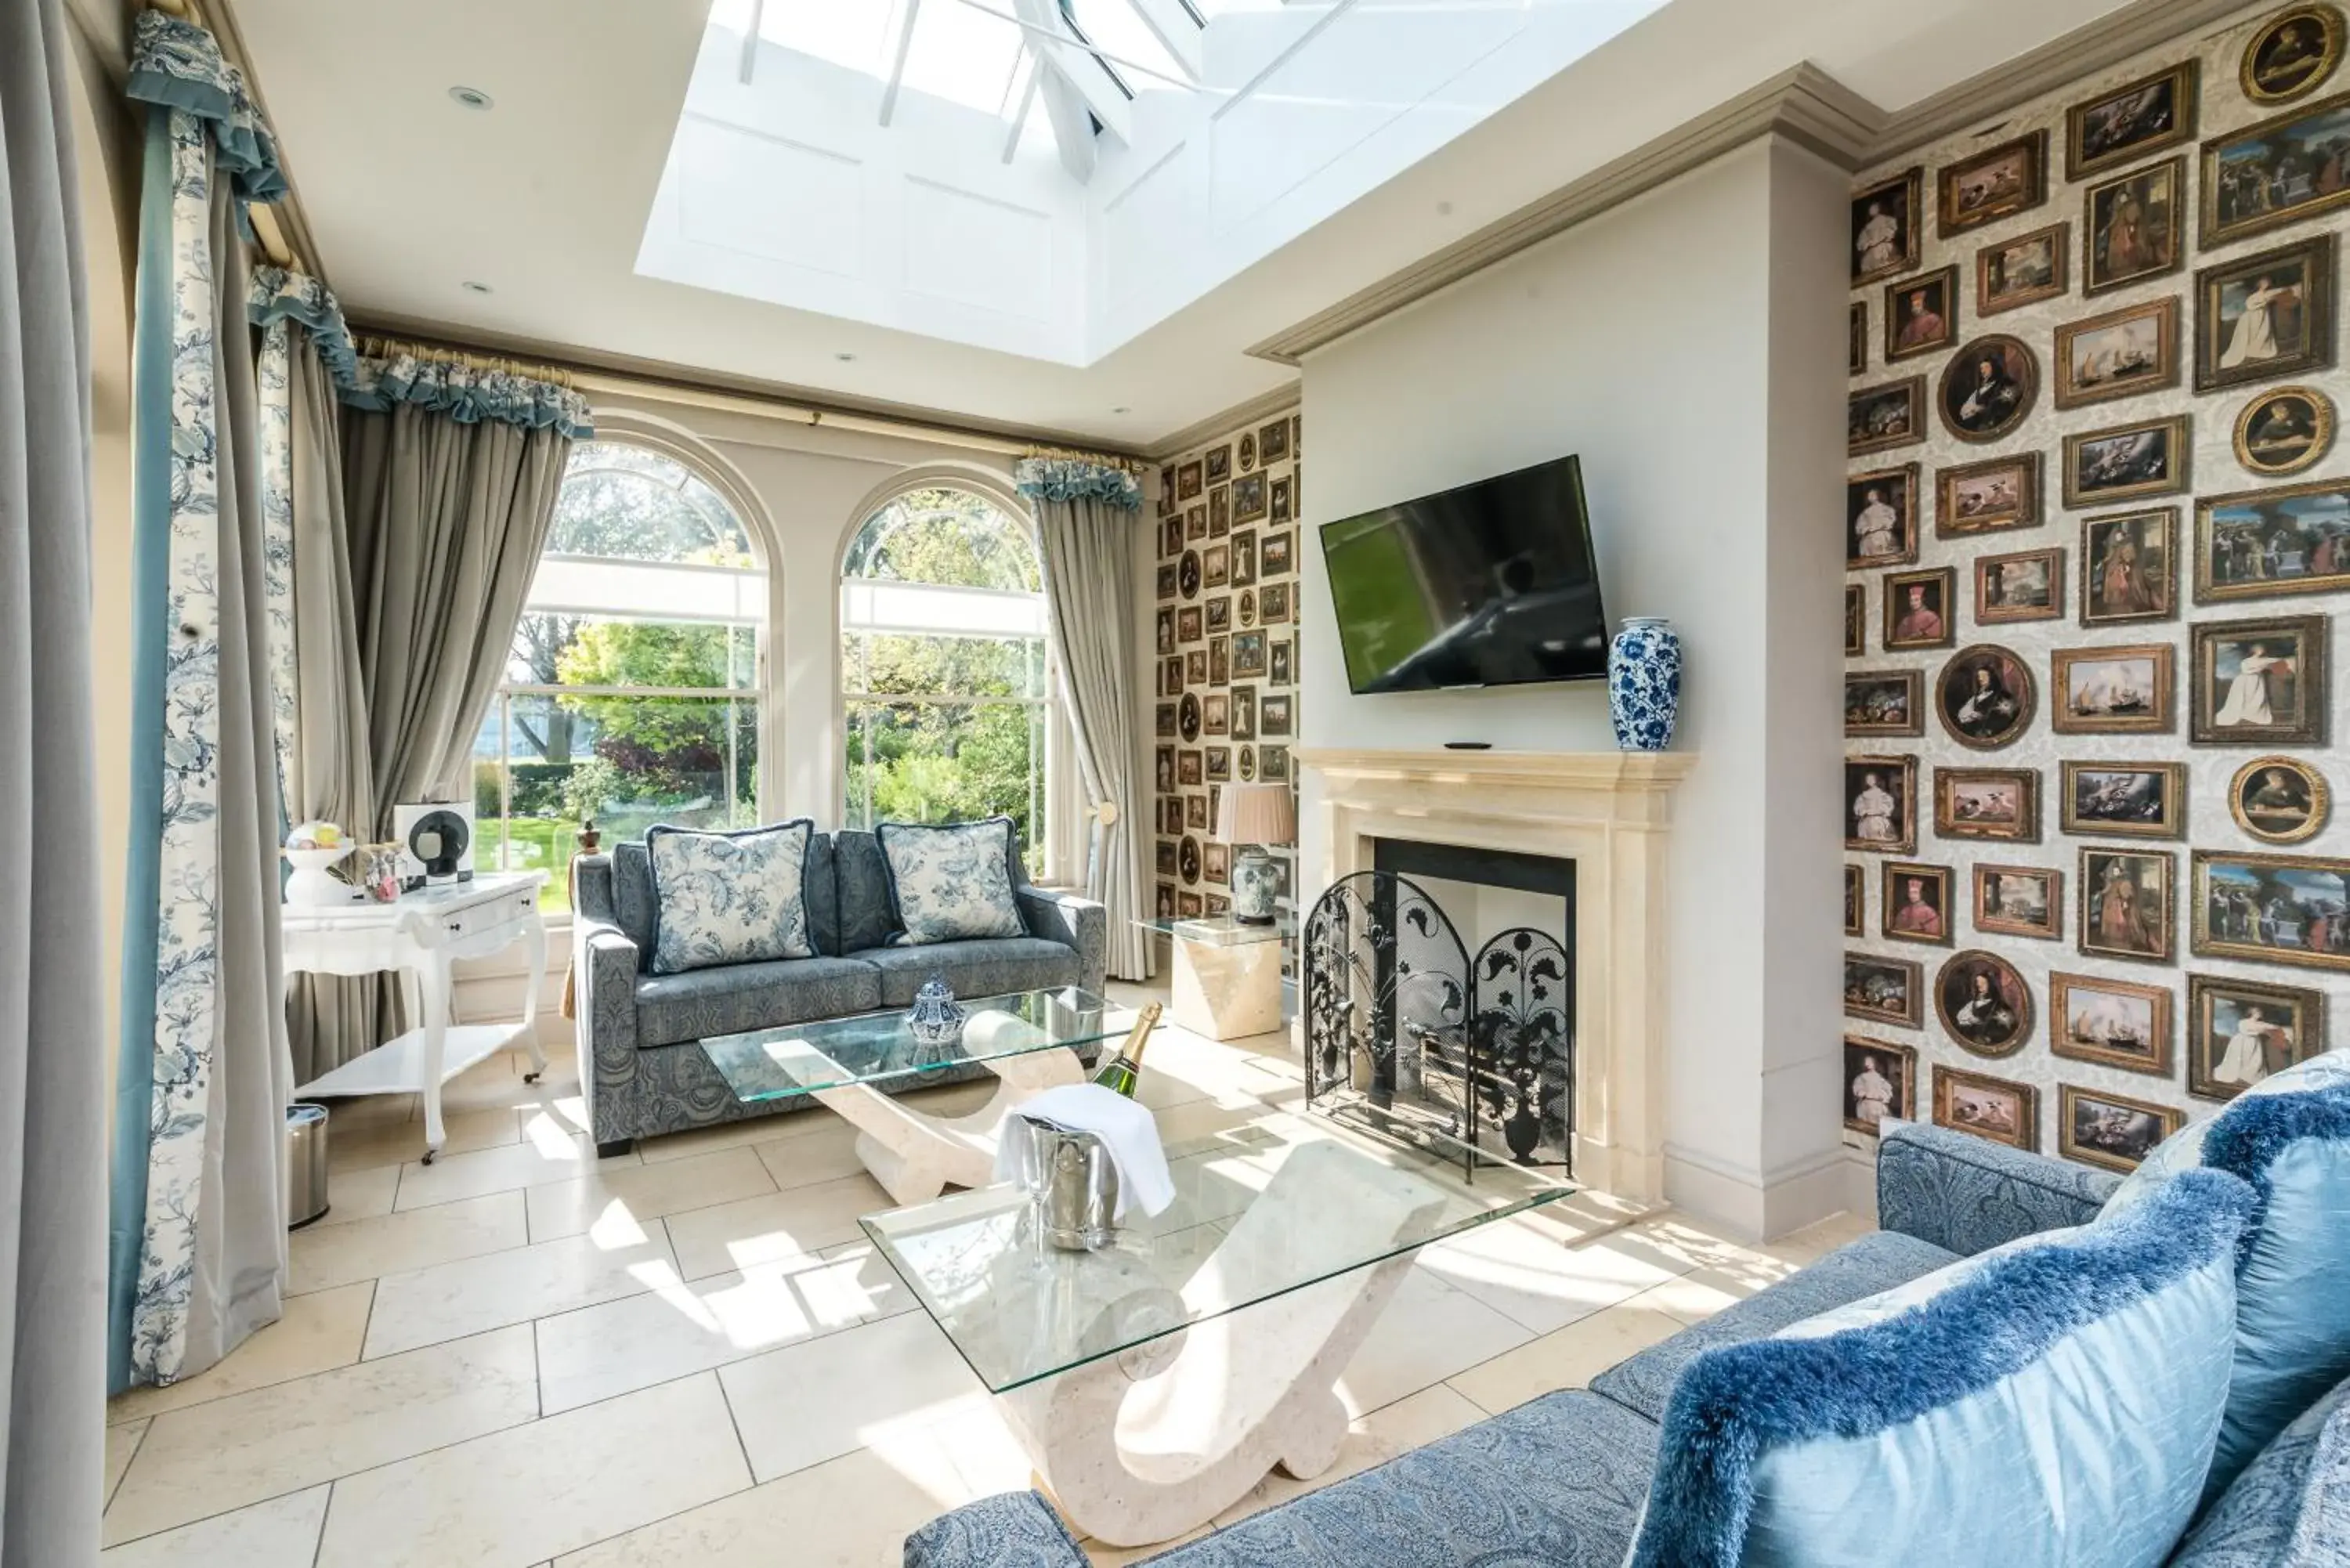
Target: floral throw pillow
[[729, 897], [952, 883]]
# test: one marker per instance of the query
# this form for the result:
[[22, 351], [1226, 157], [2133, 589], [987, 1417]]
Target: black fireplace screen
[[1409, 1035]]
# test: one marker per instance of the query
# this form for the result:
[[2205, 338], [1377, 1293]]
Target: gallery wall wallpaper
[[2097, 528], [1224, 612]]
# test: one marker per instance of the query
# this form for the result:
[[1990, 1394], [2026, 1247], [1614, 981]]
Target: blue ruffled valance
[[465, 393], [177, 65], [1077, 479]]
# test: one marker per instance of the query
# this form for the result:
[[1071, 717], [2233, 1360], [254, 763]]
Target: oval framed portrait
[[1187, 860], [1187, 574], [1983, 1002], [2279, 799], [1988, 388], [2292, 53], [2284, 431], [1986, 697], [1187, 717]]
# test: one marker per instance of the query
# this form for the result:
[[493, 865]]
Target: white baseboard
[[1758, 1207]]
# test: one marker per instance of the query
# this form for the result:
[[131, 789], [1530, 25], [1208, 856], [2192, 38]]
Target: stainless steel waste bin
[[305, 1163]]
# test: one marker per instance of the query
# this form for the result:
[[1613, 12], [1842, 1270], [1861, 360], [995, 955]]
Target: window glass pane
[[946, 762], [890, 665], [689, 761], [951, 537], [625, 502], [552, 649]]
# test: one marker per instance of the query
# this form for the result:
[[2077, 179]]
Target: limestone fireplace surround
[[1609, 811]]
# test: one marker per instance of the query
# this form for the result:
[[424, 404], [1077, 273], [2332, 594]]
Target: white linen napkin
[[1124, 1126]]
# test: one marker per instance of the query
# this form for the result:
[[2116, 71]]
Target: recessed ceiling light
[[471, 288], [1444, 208], [846, 359], [472, 97], [1121, 409]]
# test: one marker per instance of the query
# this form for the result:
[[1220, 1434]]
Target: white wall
[[1687, 346]]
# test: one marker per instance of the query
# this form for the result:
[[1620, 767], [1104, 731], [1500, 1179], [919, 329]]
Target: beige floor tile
[[1101, 1556], [1699, 1295], [1203, 1119], [280, 1534], [324, 1256], [366, 1112], [642, 1192], [1533, 1279], [123, 1440], [364, 1194], [677, 1329], [754, 1230], [547, 1157], [1570, 1359], [826, 1154], [1371, 1439], [397, 1143], [317, 1333], [1429, 1331], [485, 1090], [523, 1495], [213, 1457], [734, 1135], [450, 1301], [808, 1403], [852, 1512]]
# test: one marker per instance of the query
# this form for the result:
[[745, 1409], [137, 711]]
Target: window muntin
[[946, 686], [631, 688]]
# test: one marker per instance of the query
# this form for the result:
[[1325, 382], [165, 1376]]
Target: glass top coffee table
[[1029, 1040], [1218, 1328]]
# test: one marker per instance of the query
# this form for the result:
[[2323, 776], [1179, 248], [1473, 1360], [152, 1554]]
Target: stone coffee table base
[[916, 1157], [1208, 1409]]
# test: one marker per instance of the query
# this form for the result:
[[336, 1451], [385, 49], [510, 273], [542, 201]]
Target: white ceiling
[[544, 198]]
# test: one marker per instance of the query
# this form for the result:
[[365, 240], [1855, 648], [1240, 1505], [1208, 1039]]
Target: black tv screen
[[1491, 584]]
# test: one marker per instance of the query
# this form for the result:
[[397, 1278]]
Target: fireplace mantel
[[1611, 813]]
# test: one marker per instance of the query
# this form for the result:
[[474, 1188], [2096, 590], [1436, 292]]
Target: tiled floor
[[521, 1355]]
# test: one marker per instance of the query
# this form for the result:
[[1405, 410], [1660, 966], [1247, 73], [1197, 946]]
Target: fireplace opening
[[1438, 1003]]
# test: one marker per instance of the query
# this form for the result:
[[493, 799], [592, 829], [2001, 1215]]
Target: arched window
[[943, 666], [631, 692]]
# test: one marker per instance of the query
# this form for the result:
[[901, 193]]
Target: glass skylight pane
[[960, 55], [849, 33], [1115, 28]]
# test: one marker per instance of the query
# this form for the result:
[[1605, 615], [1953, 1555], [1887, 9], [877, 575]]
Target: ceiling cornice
[[1199, 432], [660, 373], [1805, 105]]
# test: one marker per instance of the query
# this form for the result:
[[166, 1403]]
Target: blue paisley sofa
[[640, 1033], [1561, 1481]]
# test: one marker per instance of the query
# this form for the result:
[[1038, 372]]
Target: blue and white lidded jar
[[1643, 683]]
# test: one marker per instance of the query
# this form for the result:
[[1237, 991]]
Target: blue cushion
[[2289, 1135], [729, 897], [699, 1003], [861, 883], [1877, 1262], [2055, 1401], [951, 882], [997, 966], [2291, 1504]]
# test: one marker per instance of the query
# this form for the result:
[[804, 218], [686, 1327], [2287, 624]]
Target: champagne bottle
[[1120, 1073]]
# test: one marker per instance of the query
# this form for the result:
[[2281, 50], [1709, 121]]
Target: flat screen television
[[1491, 584]]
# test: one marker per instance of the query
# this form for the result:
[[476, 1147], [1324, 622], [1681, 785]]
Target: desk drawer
[[507, 910]]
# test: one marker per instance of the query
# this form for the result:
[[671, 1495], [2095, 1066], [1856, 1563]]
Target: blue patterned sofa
[[1560, 1483], [640, 1057]]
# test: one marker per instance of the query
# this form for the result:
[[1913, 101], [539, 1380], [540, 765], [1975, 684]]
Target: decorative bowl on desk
[[314, 849]]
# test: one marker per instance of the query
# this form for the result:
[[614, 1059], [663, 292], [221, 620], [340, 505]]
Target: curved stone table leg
[[1239, 1395], [916, 1157]]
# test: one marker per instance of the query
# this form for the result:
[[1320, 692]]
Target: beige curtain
[[446, 522], [52, 1063], [330, 1019]]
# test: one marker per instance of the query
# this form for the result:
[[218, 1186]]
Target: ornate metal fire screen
[[1405, 1035]]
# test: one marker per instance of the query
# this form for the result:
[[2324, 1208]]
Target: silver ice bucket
[[1074, 1185]]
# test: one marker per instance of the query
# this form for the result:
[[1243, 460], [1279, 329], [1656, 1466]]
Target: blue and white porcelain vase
[[1643, 683], [936, 1019]]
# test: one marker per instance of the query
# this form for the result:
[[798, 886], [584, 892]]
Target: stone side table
[[1227, 976]]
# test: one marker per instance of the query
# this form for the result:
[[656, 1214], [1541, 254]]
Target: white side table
[[423, 934], [1227, 976]]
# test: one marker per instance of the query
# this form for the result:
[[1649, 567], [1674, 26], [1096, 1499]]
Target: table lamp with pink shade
[[1253, 815]]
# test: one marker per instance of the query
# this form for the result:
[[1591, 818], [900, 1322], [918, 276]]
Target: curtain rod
[[376, 347]]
